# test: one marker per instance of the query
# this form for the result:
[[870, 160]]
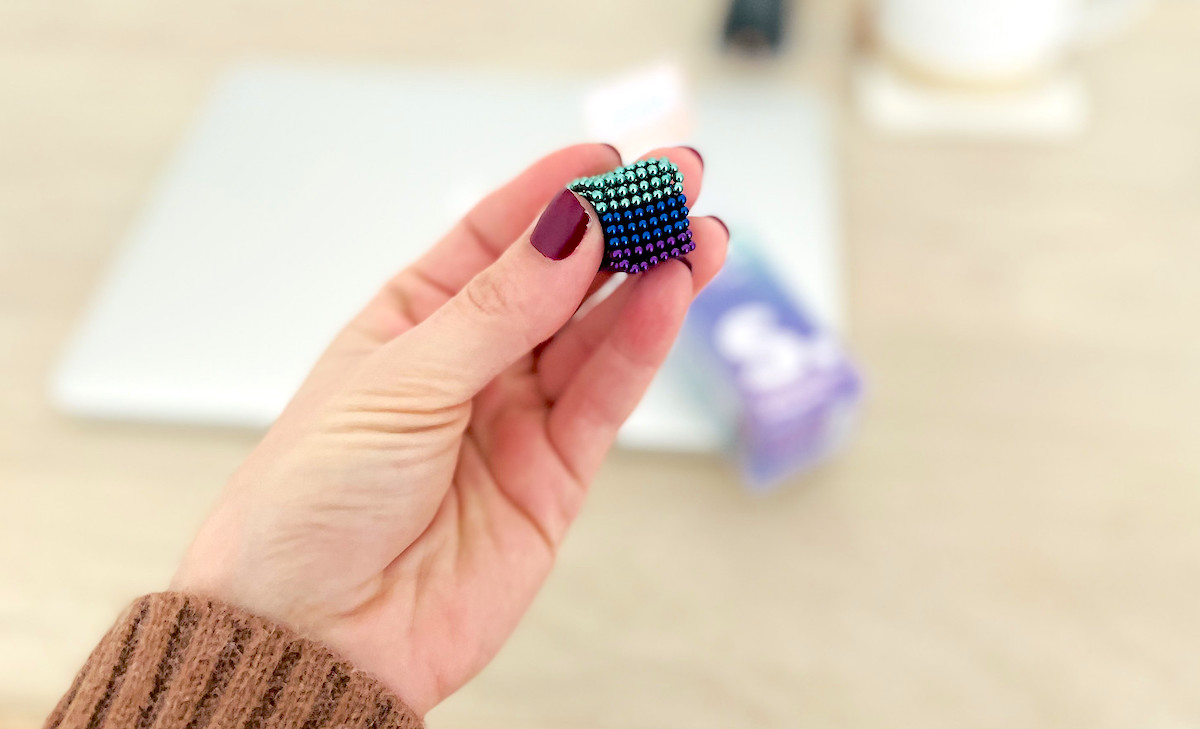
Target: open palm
[[408, 504]]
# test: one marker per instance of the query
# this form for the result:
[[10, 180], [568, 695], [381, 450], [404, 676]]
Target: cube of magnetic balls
[[643, 211]]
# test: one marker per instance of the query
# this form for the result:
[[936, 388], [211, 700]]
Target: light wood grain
[[1011, 541]]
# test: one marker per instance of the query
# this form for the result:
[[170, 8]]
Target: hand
[[408, 503]]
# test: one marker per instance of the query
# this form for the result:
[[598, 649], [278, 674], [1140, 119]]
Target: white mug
[[992, 41]]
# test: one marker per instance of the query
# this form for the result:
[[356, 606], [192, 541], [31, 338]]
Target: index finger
[[500, 218]]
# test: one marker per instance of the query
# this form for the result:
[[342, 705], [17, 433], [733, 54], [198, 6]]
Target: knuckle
[[490, 295]]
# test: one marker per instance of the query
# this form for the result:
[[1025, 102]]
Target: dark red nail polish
[[560, 228], [697, 153]]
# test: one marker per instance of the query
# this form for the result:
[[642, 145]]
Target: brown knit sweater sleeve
[[176, 661]]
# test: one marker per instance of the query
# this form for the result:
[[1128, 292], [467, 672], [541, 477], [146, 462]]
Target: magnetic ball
[[643, 212]]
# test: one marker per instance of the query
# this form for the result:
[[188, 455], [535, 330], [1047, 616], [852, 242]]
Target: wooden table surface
[[1012, 541]]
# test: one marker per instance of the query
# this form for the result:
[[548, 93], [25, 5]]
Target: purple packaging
[[765, 363]]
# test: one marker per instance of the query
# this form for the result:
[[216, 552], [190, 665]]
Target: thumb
[[510, 307]]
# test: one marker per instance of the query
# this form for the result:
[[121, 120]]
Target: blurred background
[[988, 212]]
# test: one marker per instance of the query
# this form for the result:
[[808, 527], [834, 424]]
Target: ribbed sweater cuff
[[176, 661]]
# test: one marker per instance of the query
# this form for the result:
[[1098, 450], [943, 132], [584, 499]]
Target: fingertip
[[722, 224], [712, 241], [696, 152], [593, 237], [616, 153]]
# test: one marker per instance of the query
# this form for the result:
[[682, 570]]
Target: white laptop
[[301, 189]]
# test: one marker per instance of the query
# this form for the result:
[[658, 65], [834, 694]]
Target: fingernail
[[685, 261], [560, 228], [697, 153], [722, 222], [616, 151]]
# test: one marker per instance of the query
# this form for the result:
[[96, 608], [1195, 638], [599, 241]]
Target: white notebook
[[301, 189]]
